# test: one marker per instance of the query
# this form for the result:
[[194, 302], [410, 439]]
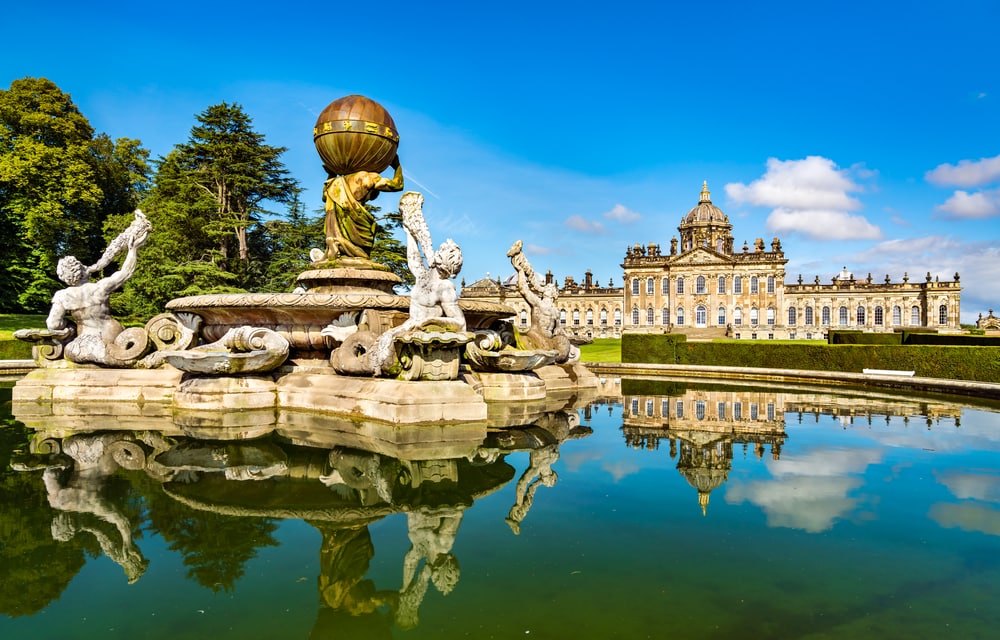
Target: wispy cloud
[[621, 213], [979, 204], [967, 173], [809, 196], [581, 224]]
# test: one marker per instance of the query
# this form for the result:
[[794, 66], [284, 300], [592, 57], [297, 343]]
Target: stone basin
[[300, 317]]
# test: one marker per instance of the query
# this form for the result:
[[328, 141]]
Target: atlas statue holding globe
[[357, 140]]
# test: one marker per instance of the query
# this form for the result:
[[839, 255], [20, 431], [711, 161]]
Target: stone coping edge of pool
[[844, 378]]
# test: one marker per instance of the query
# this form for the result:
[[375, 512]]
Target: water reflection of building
[[702, 427]]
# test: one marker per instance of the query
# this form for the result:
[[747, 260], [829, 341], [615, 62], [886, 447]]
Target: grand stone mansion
[[706, 288]]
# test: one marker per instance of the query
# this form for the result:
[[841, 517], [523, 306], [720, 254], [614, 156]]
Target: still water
[[662, 510]]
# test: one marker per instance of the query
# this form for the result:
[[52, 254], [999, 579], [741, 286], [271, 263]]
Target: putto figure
[[100, 339]]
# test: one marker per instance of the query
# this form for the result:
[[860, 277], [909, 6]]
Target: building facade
[[707, 288]]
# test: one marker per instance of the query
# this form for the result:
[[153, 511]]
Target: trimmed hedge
[[655, 348], [950, 362], [840, 336]]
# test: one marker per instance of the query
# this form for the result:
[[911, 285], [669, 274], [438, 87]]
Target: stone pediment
[[700, 256]]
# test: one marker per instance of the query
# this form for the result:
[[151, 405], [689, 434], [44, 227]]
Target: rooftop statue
[[100, 339]]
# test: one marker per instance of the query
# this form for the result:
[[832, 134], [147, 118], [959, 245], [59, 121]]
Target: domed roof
[[706, 211]]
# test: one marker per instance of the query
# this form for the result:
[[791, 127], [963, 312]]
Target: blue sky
[[864, 134]]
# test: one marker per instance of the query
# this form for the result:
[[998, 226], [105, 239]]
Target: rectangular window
[[722, 284], [738, 284]]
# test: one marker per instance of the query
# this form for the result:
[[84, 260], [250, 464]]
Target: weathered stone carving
[[545, 332], [100, 339], [428, 344], [242, 350]]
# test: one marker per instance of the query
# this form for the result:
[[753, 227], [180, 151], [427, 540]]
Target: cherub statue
[[99, 337]]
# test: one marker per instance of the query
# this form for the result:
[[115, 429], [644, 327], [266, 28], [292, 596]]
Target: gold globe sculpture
[[355, 133]]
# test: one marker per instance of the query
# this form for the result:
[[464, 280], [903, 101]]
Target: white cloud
[[537, 250], [809, 196], [979, 204], [967, 173], [822, 225], [620, 213], [579, 223]]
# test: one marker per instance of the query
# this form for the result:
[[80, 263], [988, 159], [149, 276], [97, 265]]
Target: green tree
[[388, 250], [289, 240], [230, 162], [58, 182]]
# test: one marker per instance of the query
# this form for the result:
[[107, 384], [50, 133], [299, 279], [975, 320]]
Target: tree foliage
[[58, 183]]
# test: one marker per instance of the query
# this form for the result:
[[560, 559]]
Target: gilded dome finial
[[706, 196]]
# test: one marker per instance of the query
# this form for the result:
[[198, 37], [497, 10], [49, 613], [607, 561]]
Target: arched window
[[878, 316], [770, 315], [770, 284], [825, 316], [635, 315], [635, 286], [809, 316], [754, 316], [700, 316], [722, 284], [649, 316], [590, 317], [943, 314], [562, 316], [680, 315], [843, 316], [524, 316], [576, 316], [680, 284], [792, 316], [915, 316], [860, 316], [699, 285], [737, 316], [754, 289], [665, 286], [720, 245], [738, 284], [604, 317], [649, 286], [722, 316], [665, 315], [897, 316]]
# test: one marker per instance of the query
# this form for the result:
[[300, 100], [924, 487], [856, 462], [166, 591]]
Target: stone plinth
[[384, 400]]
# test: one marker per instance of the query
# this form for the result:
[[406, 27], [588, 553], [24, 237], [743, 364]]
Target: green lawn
[[602, 350], [11, 322]]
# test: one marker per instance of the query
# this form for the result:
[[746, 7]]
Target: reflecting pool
[[664, 510]]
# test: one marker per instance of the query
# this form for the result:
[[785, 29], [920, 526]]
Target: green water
[[819, 516]]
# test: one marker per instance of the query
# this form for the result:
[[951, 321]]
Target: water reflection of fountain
[[319, 475]]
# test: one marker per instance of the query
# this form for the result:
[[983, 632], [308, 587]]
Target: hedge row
[[910, 337], [951, 362]]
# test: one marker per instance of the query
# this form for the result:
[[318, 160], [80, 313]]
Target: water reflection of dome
[[705, 465]]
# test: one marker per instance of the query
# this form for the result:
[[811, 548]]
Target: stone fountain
[[343, 345]]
